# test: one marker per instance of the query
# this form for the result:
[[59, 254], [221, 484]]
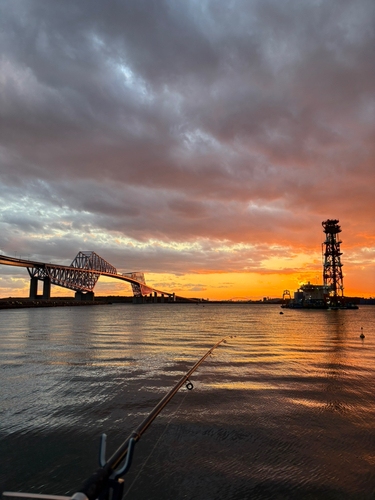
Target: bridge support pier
[[155, 297], [138, 300], [46, 288], [33, 288], [84, 296], [162, 298]]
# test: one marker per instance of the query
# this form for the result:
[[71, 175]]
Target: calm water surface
[[284, 410]]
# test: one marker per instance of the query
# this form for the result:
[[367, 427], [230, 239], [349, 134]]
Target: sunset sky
[[202, 142]]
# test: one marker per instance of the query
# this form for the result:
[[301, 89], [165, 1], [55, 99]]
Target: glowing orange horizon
[[216, 286]]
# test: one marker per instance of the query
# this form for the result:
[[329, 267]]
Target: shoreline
[[32, 303], [21, 302]]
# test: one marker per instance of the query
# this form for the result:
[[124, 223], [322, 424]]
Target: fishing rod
[[107, 479]]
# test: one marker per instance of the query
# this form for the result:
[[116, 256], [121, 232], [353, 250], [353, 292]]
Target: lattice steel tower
[[332, 272]]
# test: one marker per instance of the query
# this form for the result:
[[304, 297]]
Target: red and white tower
[[332, 272]]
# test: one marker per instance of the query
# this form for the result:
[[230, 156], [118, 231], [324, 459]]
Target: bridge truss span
[[81, 276], [139, 286], [92, 261]]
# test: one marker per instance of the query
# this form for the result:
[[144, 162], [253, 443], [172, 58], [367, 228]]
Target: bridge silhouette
[[82, 276]]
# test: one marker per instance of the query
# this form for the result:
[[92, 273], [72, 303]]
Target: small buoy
[[281, 312], [362, 335]]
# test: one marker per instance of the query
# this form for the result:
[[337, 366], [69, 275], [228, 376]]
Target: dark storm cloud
[[185, 121]]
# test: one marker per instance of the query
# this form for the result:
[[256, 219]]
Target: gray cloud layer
[[210, 122]]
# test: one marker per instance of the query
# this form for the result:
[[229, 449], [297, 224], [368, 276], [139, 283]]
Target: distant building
[[309, 295], [368, 302]]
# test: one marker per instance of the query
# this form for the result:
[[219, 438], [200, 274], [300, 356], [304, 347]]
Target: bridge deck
[[13, 261]]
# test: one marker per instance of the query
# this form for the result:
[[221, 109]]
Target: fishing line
[[162, 434], [157, 442]]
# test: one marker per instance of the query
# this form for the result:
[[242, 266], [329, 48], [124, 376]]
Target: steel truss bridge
[[82, 276]]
